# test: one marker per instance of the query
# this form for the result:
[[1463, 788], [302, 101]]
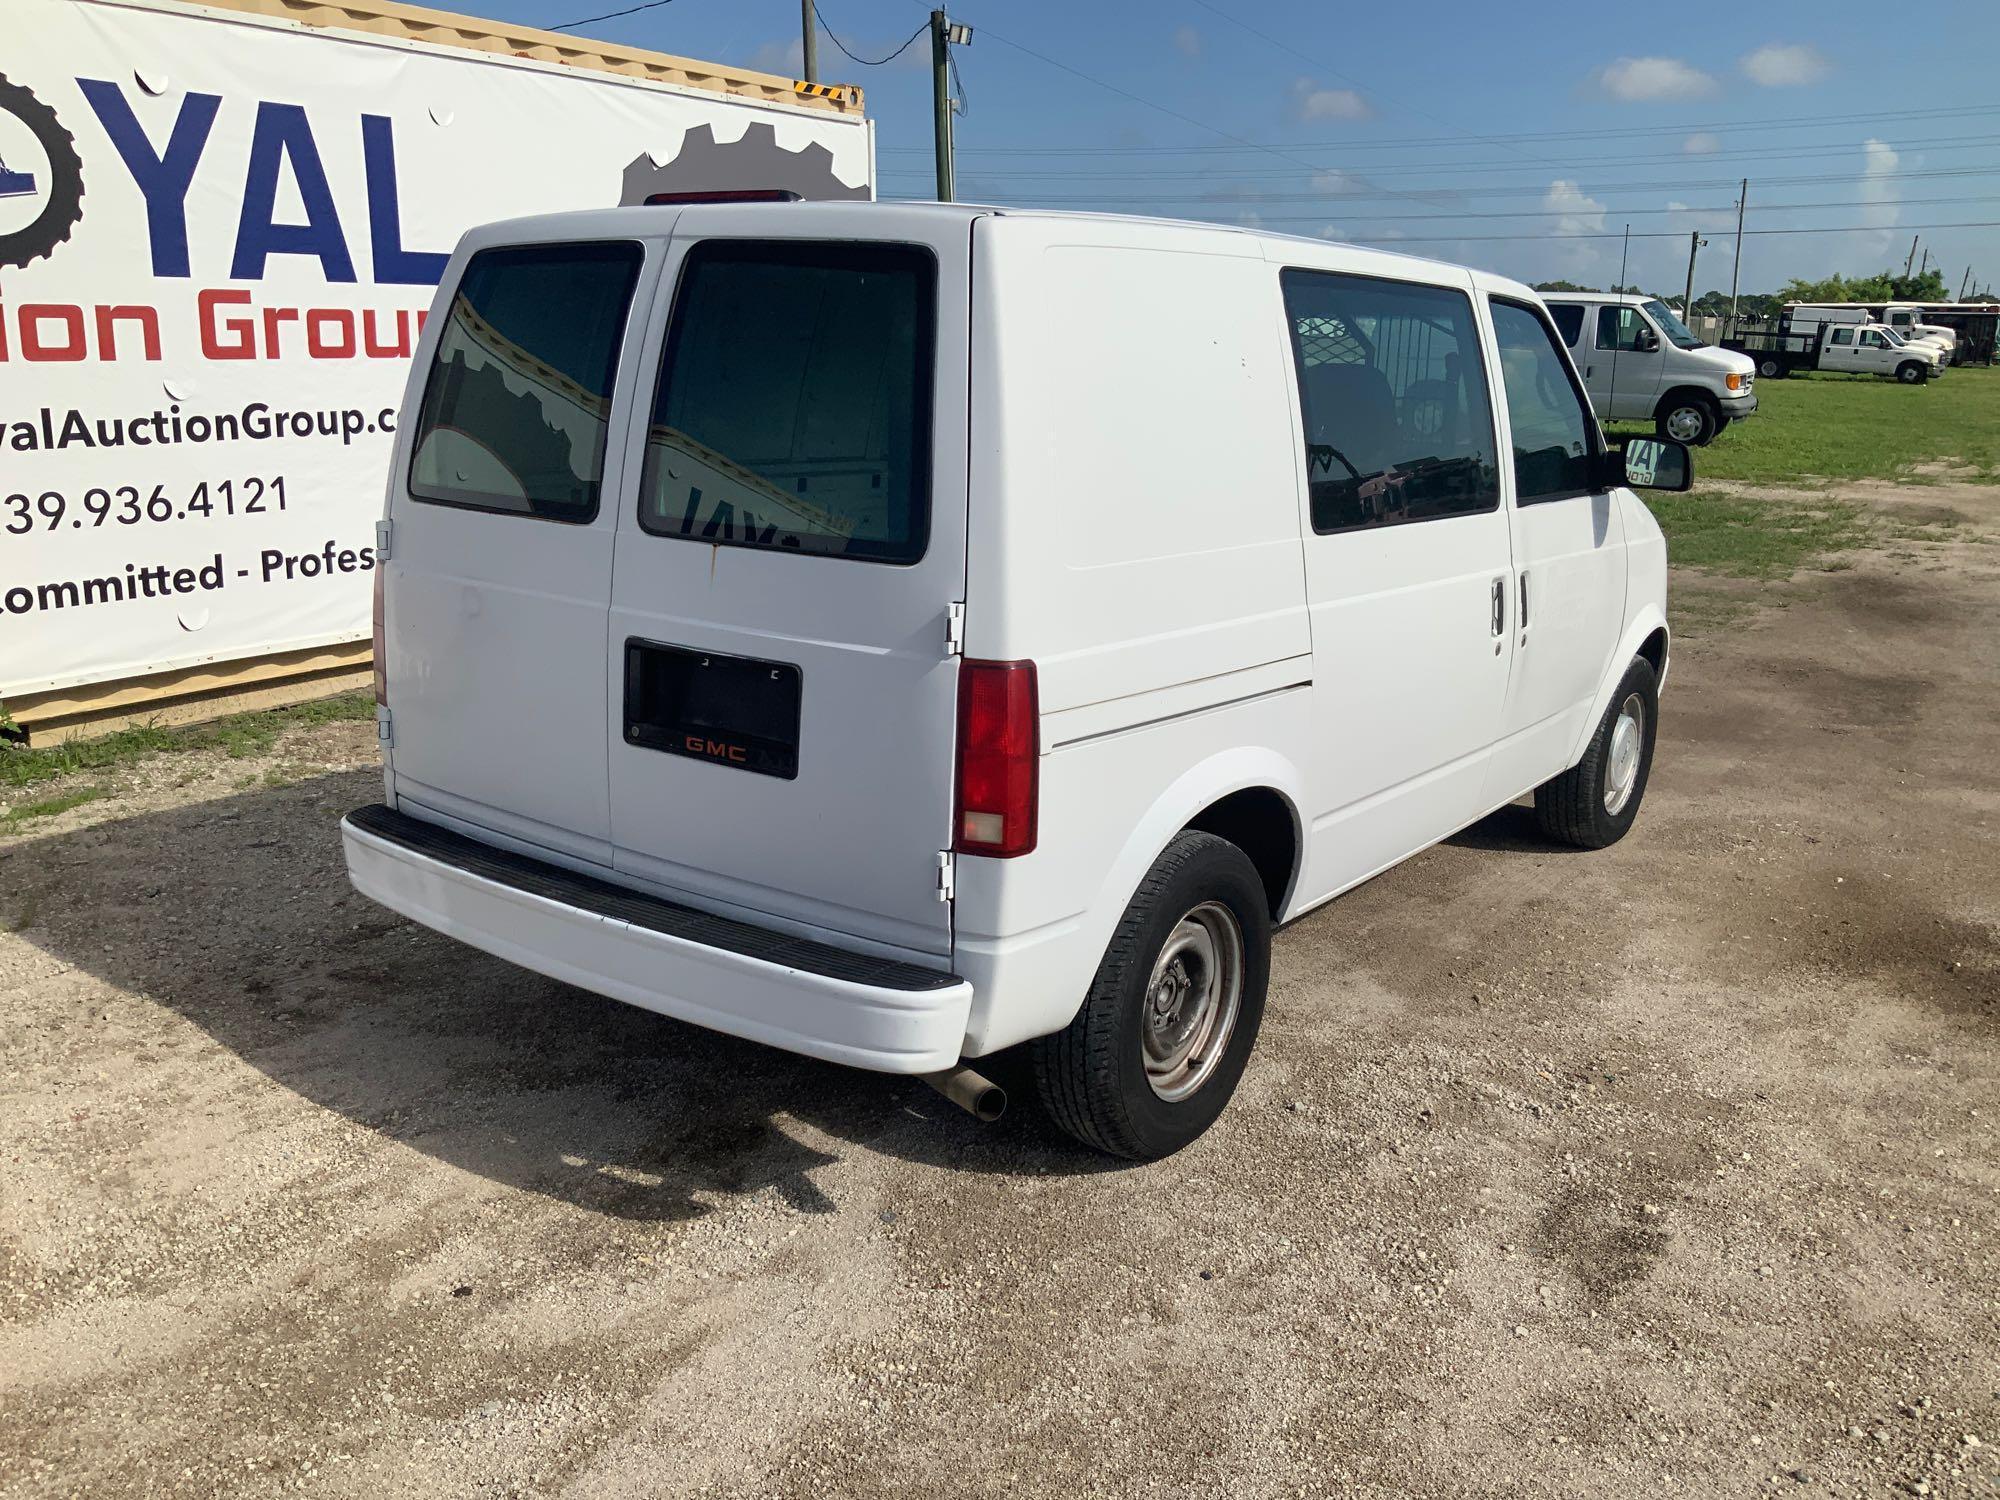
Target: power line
[[1929, 143], [866, 62], [1564, 213], [1436, 195], [1401, 142], [1151, 104], [1356, 84], [610, 15]]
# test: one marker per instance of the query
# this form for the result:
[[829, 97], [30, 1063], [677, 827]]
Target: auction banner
[[219, 236]]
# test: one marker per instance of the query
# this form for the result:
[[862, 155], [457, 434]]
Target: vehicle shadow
[[237, 915], [1510, 830]]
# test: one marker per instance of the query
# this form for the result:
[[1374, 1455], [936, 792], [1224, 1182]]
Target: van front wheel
[[1912, 373], [1688, 418], [1592, 804], [1163, 1036]]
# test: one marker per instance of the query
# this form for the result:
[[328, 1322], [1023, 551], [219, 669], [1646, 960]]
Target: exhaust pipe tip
[[976, 1094]]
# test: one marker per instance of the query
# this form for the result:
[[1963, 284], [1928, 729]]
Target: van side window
[[794, 403], [1619, 328], [519, 394], [1843, 335], [1870, 339], [1554, 434], [1397, 424], [1569, 320]]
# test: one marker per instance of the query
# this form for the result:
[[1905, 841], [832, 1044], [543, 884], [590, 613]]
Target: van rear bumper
[[727, 975]]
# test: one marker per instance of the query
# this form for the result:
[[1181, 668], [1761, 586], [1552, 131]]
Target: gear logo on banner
[[41, 177], [704, 165]]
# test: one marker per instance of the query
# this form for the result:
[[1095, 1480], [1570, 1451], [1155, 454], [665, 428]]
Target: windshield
[[1896, 340], [1675, 330]]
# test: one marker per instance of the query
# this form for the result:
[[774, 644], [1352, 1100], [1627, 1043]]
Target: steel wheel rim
[[1684, 423], [1192, 1000], [1621, 765]]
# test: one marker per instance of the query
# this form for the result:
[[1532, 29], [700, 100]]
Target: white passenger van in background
[[1640, 363], [901, 632]]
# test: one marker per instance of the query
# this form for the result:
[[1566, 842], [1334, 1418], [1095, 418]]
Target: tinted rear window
[[794, 401], [515, 410], [1569, 320]]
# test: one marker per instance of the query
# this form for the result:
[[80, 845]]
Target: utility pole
[[945, 34], [1927, 261], [1910, 259], [1695, 242], [811, 33], [1736, 271], [1965, 283]]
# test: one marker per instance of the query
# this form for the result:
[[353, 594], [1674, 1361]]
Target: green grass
[[238, 735], [1820, 428], [1743, 538], [12, 819]]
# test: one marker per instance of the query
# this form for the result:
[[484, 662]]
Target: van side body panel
[[1133, 530]]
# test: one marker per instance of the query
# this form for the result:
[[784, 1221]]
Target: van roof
[[593, 223], [1628, 299]]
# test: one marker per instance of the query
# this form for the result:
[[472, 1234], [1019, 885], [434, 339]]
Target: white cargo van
[[1640, 363], [899, 632]]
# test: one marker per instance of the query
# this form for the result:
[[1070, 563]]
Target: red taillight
[[381, 666], [998, 749], [725, 195]]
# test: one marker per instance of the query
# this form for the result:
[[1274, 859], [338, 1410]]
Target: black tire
[[64, 207], [1912, 373], [1573, 807], [1770, 369], [1699, 412], [1092, 1075]]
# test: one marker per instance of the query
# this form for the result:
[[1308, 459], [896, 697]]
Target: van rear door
[[499, 579], [790, 550]]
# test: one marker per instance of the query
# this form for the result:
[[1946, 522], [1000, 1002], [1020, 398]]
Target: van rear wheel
[[1592, 805], [1162, 1038]]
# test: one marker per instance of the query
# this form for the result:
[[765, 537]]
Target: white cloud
[[1779, 66], [1636, 80], [1335, 182], [1187, 41], [1311, 102], [1878, 192], [786, 59], [1575, 212], [1701, 143]]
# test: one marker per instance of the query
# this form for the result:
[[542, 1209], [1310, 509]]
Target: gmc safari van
[[900, 632]]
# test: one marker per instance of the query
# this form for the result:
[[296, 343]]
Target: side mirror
[[1653, 464], [1648, 342]]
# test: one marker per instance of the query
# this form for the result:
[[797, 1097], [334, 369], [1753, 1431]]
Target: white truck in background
[[1805, 317], [1907, 318], [221, 225]]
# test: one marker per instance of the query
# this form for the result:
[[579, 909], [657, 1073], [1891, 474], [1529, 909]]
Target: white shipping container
[[220, 229]]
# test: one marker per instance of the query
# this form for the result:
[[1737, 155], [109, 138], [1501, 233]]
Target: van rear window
[[519, 394], [794, 404]]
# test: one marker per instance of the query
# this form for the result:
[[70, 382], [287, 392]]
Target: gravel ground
[[1670, 1169]]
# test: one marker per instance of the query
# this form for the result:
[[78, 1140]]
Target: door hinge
[[385, 729], [947, 868], [954, 629], [384, 530]]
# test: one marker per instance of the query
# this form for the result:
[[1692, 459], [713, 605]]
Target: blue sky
[[1498, 136]]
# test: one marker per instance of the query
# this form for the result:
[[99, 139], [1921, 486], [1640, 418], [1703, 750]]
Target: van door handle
[[1499, 606], [1524, 599]]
